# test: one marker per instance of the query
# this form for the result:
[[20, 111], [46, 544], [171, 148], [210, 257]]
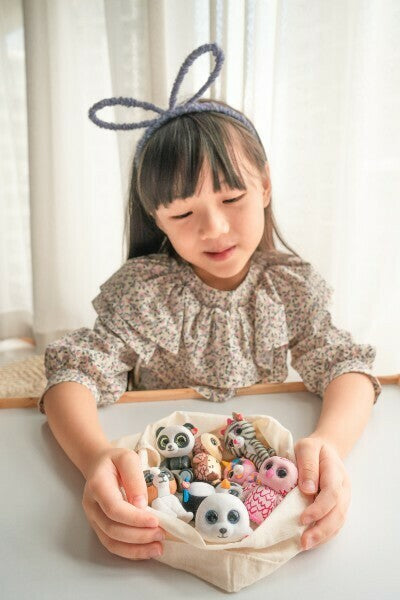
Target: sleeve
[[319, 350], [97, 358]]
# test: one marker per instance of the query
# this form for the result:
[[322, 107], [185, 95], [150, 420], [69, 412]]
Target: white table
[[48, 550]]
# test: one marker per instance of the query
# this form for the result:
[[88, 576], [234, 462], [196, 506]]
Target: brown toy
[[207, 456]]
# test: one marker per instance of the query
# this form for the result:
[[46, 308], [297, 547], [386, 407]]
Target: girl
[[204, 300]]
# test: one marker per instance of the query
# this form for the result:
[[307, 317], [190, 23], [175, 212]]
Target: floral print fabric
[[160, 326]]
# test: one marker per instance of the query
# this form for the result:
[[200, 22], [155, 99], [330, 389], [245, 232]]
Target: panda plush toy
[[175, 443]]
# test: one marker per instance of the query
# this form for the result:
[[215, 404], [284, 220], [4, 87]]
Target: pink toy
[[276, 478], [239, 470]]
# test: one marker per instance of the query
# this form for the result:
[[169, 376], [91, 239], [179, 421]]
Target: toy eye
[[268, 466], [281, 472], [148, 477], [162, 442], [181, 440], [238, 430], [211, 516], [234, 492], [233, 516], [230, 474], [214, 441]]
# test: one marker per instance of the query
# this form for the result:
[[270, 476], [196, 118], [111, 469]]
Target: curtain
[[319, 80]]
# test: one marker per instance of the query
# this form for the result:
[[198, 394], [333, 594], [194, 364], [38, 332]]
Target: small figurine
[[207, 456], [230, 487], [239, 470], [176, 443], [222, 518], [151, 488], [276, 478], [167, 502], [240, 439], [195, 494]]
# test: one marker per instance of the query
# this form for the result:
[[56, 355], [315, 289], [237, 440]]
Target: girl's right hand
[[125, 528]]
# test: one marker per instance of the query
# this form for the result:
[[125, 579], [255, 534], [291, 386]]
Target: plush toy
[[230, 487], [276, 478], [240, 439], [165, 501], [222, 518], [151, 488], [195, 494], [176, 443], [207, 456], [239, 470]]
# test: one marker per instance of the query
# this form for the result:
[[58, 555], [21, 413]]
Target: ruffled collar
[[225, 299]]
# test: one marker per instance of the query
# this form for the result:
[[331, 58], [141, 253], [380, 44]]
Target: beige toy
[[167, 502], [207, 456]]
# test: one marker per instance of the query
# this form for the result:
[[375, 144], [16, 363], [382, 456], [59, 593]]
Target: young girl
[[205, 300]]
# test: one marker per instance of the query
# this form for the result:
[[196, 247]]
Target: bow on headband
[[174, 109]]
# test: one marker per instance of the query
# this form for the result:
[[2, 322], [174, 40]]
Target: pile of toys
[[222, 496]]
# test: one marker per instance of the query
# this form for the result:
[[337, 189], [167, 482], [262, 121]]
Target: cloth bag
[[230, 566]]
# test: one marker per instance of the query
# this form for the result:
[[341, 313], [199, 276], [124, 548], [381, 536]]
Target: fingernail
[[139, 501], [156, 554], [307, 520], [308, 485], [310, 543], [159, 537]]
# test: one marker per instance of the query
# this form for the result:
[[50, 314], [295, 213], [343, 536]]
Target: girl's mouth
[[221, 255]]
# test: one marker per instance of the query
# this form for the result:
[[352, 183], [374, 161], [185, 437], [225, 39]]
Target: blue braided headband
[[174, 110]]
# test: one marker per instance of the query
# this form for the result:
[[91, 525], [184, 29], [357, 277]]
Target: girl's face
[[213, 221]]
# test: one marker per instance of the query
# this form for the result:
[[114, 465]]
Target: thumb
[[132, 479], [307, 457]]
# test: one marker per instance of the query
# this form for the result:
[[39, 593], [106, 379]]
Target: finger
[[326, 528], [125, 533], [131, 475], [131, 551], [307, 458], [104, 489], [325, 501]]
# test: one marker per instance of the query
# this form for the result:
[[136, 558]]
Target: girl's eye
[[231, 201]]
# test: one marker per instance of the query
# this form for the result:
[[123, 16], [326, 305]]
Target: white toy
[[167, 502], [230, 487], [222, 518]]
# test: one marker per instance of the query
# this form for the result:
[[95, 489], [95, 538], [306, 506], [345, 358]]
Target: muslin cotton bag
[[238, 564]]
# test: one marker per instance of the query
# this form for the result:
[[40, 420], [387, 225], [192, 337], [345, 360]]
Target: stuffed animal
[[276, 478], [222, 518], [151, 488], [230, 487], [207, 456], [176, 443], [239, 470], [165, 501], [240, 439], [195, 494]]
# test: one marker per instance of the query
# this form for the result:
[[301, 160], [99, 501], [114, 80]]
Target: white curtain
[[321, 82]]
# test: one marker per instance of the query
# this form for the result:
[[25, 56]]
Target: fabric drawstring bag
[[230, 566]]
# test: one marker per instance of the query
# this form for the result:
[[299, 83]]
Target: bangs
[[173, 159]]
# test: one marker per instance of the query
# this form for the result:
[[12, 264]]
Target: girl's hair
[[169, 167]]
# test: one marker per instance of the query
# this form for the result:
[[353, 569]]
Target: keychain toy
[[222, 518], [240, 439]]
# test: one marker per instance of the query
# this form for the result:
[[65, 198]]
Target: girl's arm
[[347, 404], [124, 527], [73, 418], [346, 408]]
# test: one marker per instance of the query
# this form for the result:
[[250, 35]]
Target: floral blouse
[[160, 326]]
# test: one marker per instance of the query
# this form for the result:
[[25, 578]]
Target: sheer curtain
[[319, 80]]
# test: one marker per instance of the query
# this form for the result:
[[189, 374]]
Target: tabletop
[[48, 549]]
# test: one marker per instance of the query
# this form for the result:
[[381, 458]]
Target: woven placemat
[[25, 378]]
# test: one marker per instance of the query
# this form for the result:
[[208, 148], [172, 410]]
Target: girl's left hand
[[320, 462]]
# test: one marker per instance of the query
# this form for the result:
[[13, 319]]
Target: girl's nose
[[213, 225]]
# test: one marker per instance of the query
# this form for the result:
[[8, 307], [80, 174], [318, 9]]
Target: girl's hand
[[124, 527], [319, 462]]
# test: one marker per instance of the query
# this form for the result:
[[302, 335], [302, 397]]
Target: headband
[[174, 110]]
